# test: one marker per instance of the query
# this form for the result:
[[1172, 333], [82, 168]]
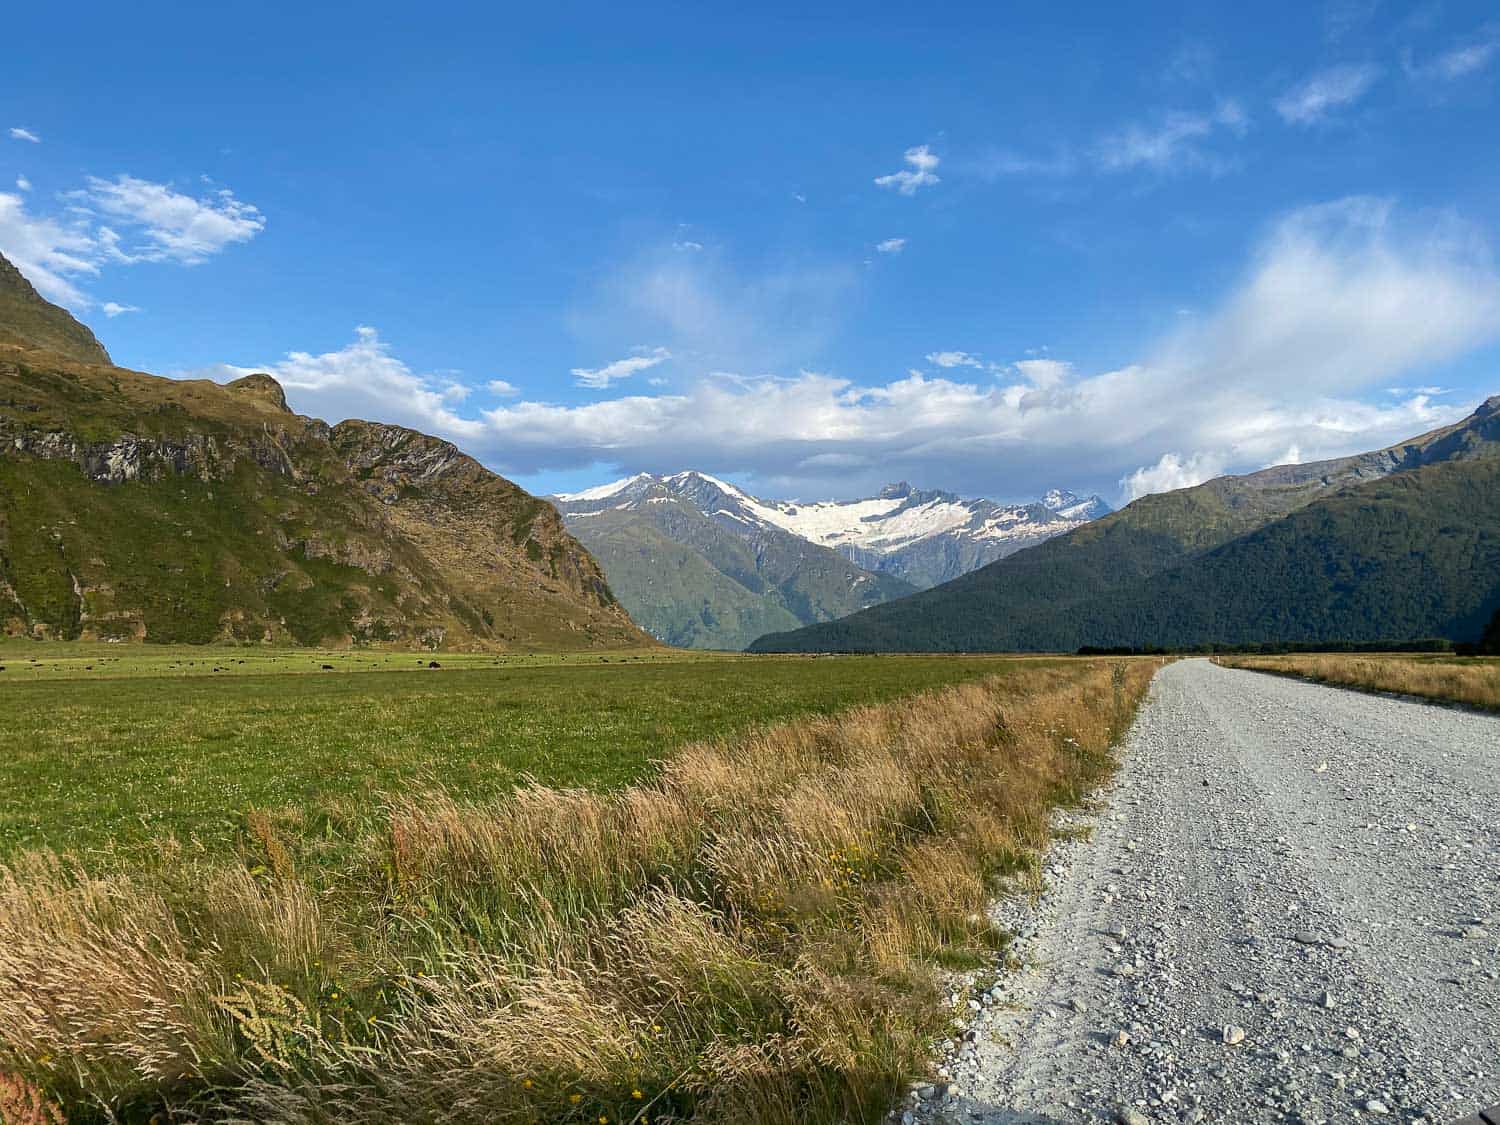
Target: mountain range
[[700, 562], [1396, 544], [140, 508]]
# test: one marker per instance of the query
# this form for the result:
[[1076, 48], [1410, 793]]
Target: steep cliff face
[[140, 508]]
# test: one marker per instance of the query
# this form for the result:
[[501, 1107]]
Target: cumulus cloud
[[364, 380], [919, 174], [1337, 303], [23, 184], [19, 134], [1313, 100], [891, 246], [502, 388], [1043, 373], [1170, 473], [601, 377], [117, 222], [1171, 143]]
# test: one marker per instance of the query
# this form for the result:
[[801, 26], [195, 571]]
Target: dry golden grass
[[1475, 681], [750, 937]]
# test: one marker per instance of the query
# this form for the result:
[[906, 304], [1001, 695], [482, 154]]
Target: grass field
[[744, 935], [1473, 680], [113, 745]]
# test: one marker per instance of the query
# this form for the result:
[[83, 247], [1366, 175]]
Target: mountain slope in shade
[[139, 508], [691, 562], [1380, 546]]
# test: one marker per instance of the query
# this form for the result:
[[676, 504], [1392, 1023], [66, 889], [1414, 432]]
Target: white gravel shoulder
[[1288, 910]]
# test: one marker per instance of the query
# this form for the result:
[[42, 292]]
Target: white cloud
[[1171, 144], [954, 359], [1170, 473], [920, 174], [891, 246], [1337, 303], [119, 221], [687, 244], [502, 388], [19, 134], [1311, 101], [601, 377], [1043, 373], [364, 380], [113, 309], [23, 184], [1459, 61], [175, 227], [51, 253]]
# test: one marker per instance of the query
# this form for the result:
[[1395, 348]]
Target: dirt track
[[1315, 869]]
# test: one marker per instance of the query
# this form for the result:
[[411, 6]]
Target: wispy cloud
[[117, 222], [19, 134], [113, 309], [1171, 143], [920, 173], [1314, 99], [23, 184], [175, 227], [891, 246], [502, 388], [954, 359], [1466, 57], [601, 377]]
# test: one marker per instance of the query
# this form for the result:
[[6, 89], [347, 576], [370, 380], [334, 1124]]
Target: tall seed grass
[[749, 937], [1475, 682]]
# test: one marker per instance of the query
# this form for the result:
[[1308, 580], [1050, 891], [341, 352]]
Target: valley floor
[[116, 745], [1316, 868]]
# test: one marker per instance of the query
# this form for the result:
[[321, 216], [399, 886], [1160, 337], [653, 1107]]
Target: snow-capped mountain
[[921, 537], [697, 563]]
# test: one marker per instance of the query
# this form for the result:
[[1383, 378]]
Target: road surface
[[1289, 904]]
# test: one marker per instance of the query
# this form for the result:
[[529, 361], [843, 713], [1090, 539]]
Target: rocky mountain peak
[[263, 387], [899, 490]]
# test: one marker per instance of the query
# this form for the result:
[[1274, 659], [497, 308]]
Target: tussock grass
[[748, 937], [1475, 681]]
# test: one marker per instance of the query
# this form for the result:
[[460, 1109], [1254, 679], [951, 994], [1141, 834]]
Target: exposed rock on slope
[[134, 507]]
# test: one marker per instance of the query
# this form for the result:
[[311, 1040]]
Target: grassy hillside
[[182, 511], [1231, 560], [28, 321], [692, 581]]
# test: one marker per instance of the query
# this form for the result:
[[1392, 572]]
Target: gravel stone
[[1289, 881]]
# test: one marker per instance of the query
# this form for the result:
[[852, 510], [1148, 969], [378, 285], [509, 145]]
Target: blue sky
[[991, 248]]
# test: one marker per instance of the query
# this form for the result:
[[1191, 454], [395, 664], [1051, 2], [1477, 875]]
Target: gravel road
[[1287, 910]]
